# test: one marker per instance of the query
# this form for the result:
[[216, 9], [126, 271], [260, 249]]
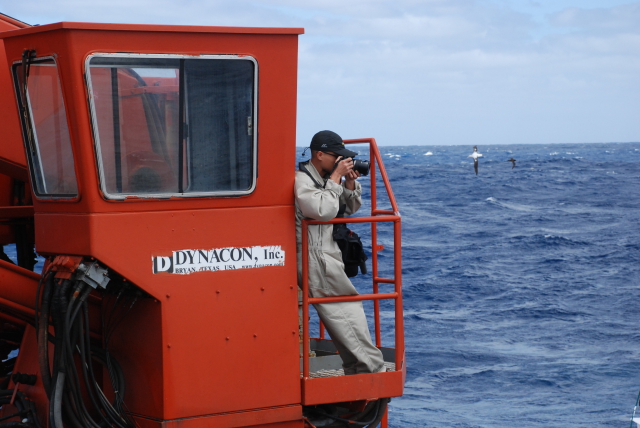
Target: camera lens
[[362, 166]]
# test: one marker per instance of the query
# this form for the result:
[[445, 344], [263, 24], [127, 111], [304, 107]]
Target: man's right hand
[[343, 167]]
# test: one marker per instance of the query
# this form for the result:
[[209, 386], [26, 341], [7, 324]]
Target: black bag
[[353, 255]]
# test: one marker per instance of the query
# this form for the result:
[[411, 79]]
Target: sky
[[430, 72]]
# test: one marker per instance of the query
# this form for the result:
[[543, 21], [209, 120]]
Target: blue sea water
[[521, 286]]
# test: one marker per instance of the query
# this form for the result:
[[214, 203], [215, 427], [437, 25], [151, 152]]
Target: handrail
[[377, 216]]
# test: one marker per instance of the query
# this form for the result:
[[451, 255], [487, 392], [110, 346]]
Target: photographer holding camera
[[319, 193]]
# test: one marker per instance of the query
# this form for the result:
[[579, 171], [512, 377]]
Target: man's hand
[[350, 179], [343, 168]]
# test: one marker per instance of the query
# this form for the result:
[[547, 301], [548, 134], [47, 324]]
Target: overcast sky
[[431, 72]]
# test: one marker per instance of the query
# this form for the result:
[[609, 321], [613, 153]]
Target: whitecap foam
[[428, 154]]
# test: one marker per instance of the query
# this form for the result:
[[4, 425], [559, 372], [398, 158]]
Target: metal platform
[[326, 362], [333, 373]]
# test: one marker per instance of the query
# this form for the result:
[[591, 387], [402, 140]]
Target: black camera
[[361, 166]]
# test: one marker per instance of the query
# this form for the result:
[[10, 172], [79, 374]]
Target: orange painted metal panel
[[8, 23], [202, 372], [137, 346], [276, 417], [12, 159], [18, 287], [352, 388]]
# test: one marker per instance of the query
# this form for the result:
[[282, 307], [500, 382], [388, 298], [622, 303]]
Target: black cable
[[13, 415], [76, 399], [25, 408], [117, 381], [384, 402], [106, 411], [42, 331], [38, 289], [56, 408], [380, 408], [72, 332], [15, 425], [85, 362]]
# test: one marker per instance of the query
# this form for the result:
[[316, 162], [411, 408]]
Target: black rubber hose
[[60, 308], [43, 333], [58, 312], [40, 282], [15, 425], [117, 382], [13, 415], [34, 414], [70, 418], [72, 331], [111, 415], [57, 401], [85, 363], [380, 408], [381, 411]]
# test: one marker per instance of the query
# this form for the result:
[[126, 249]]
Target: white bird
[[475, 155]]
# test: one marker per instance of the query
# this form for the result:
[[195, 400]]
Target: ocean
[[519, 284]]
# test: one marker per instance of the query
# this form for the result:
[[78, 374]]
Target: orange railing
[[377, 216]]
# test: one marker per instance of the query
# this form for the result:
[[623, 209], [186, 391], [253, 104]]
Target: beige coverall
[[345, 321]]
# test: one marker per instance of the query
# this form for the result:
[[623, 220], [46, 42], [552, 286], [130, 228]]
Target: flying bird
[[475, 155], [513, 161]]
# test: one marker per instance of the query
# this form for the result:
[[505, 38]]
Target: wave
[[511, 205]]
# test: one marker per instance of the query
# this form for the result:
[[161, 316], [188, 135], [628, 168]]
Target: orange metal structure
[[158, 161]]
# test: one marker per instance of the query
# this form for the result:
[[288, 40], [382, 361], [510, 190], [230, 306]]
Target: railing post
[[374, 246], [397, 255], [305, 299]]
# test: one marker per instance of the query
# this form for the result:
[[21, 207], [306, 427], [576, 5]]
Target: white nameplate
[[190, 261]]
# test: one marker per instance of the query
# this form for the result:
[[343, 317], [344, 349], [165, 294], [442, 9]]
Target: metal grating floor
[[333, 373]]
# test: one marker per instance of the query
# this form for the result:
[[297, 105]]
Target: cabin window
[[46, 132], [174, 126]]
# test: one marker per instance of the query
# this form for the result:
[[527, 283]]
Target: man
[[319, 192]]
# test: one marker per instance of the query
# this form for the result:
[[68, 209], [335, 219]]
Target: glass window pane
[[136, 118], [220, 110], [50, 154], [136, 107]]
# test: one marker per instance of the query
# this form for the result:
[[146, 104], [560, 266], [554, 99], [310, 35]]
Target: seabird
[[513, 161], [475, 155]]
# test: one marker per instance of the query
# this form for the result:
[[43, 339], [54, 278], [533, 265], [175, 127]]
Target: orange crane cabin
[[150, 166]]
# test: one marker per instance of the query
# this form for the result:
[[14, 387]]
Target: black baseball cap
[[329, 141]]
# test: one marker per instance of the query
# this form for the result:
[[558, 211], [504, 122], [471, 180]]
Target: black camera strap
[[302, 166]]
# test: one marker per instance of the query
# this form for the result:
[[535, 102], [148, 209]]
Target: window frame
[[37, 179], [168, 195]]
